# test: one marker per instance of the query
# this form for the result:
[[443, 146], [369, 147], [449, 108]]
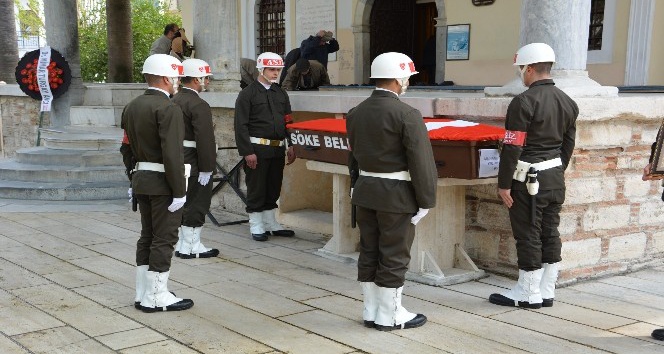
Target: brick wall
[[20, 118]]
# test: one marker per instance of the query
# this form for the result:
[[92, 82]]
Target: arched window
[[271, 27]]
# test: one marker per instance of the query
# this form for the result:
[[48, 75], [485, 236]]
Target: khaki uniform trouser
[[537, 242], [385, 242], [159, 232]]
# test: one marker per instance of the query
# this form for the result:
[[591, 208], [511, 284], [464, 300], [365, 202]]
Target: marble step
[[82, 138], [12, 170], [63, 190], [112, 94], [44, 156], [96, 116]]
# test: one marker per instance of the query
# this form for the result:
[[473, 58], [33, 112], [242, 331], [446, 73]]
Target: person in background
[[393, 181], [319, 46], [538, 145], [200, 151], [155, 131], [179, 45], [262, 110], [162, 45], [306, 75], [290, 60], [248, 72]]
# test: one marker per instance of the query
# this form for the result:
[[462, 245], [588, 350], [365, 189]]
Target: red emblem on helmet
[[411, 66], [515, 55], [174, 66], [180, 69], [402, 66]]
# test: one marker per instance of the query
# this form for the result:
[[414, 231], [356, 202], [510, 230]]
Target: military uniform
[[261, 113], [386, 135], [316, 77], [198, 129], [155, 131], [548, 116]]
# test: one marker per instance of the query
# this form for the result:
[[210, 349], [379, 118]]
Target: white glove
[[351, 192], [204, 178], [177, 204], [420, 214], [129, 193]]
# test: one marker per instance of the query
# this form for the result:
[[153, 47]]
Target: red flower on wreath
[[29, 75]]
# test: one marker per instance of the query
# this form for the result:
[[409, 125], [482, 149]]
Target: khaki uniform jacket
[[261, 113], [161, 46], [317, 72], [387, 135], [197, 127], [155, 130], [548, 116]]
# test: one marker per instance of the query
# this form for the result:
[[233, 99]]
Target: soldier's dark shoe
[[282, 233], [260, 237], [209, 254], [502, 300], [183, 304], [369, 324], [658, 334], [137, 304], [547, 302], [418, 321]]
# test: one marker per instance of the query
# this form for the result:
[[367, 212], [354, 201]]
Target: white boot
[[141, 280], [526, 292], [391, 315], [158, 298], [272, 225], [256, 226], [178, 245], [192, 246], [370, 292], [548, 283]]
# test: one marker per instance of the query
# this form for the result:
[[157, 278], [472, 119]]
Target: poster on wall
[[312, 16], [458, 42]]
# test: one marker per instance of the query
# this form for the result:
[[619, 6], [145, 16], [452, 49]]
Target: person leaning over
[[393, 180], [648, 176], [162, 45], [200, 151], [306, 75], [319, 46], [538, 146], [261, 112], [155, 131], [248, 72]]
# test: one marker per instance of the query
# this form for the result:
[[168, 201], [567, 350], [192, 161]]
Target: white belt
[[189, 143], [263, 141], [400, 175], [522, 167], [150, 166]]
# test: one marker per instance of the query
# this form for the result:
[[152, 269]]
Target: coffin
[[461, 149]]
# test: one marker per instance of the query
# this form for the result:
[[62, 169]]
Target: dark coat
[[317, 74], [311, 49], [548, 116], [387, 135], [290, 60], [261, 113], [197, 127], [155, 130]]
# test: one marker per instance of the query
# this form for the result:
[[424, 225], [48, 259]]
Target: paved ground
[[67, 279]]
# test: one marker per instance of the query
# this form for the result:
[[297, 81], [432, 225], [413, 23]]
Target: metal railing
[[27, 40]]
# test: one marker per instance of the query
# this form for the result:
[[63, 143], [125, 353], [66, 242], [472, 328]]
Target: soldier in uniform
[[155, 131], [261, 112], [200, 151], [391, 157], [538, 146]]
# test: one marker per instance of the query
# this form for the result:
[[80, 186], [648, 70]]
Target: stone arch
[[362, 40]]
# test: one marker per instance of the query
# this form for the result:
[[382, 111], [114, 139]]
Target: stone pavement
[[67, 286]]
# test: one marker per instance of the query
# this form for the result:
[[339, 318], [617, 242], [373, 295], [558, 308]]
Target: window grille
[[271, 27], [596, 25]]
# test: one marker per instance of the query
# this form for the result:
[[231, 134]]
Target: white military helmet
[[392, 65], [163, 65], [534, 53], [196, 68], [269, 60]]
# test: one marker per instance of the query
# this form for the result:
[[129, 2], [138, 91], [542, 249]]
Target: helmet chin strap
[[522, 72], [404, 84]]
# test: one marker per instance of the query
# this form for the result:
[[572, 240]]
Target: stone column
[[217, 43], [441, 41], [563, 25], [62, 35], [362, 53]]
